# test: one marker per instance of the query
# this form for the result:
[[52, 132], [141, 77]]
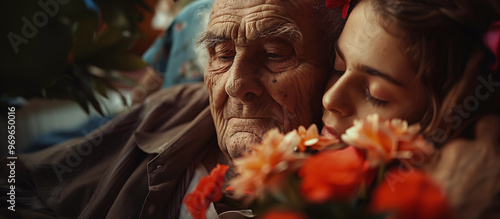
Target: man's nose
[[244, 80], [340, 97]]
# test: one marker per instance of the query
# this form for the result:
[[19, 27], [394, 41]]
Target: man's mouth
[[257, 125]]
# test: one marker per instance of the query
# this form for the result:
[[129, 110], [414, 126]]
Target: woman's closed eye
[[373, 100]]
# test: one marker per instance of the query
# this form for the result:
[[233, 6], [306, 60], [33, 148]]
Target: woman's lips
[[329, 132]]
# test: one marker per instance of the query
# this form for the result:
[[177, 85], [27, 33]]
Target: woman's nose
[[339, 97]]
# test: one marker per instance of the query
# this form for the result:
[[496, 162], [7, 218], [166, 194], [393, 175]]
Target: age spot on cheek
[[274, 81]]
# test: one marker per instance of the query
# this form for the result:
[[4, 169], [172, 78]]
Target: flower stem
[[380, 174]]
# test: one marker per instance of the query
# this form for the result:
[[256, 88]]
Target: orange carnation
[[412, 197], [310, 138], [209, 189], [332, 175], [385, 140], [267, 164]]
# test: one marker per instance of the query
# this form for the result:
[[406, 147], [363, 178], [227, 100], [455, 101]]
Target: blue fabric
[[53, 138], [174, 55], [91, 5]]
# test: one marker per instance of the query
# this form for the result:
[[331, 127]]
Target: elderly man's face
[[266, 69]]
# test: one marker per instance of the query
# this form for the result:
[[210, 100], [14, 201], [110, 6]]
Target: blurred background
[[69, 66]]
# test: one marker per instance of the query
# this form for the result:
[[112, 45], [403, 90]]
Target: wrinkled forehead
[[245, 19]]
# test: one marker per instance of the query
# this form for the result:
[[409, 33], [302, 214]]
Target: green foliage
[[65, 52]]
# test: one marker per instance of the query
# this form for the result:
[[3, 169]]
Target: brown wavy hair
[[443, 40]]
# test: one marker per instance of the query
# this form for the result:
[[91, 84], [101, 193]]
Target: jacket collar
[[200, 130]]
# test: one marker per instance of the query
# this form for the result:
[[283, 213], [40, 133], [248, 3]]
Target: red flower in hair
[[209, 189], [332, 4], [492, 41]]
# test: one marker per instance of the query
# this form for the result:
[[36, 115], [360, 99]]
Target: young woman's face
[[372, 75]]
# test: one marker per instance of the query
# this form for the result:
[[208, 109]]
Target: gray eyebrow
[[286, 31], [208, 39]]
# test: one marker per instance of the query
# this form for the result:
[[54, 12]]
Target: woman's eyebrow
[[369, 70], [377, 73]]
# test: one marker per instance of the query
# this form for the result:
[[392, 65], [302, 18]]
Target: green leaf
[[121, 62], [124, 100], [89, 95], [108, 38], [83, 46], [100, 86]]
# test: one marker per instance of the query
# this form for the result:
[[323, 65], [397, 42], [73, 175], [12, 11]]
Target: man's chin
[[241, 143]]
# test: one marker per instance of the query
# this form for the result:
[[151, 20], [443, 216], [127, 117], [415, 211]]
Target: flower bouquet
[[370, 174]]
